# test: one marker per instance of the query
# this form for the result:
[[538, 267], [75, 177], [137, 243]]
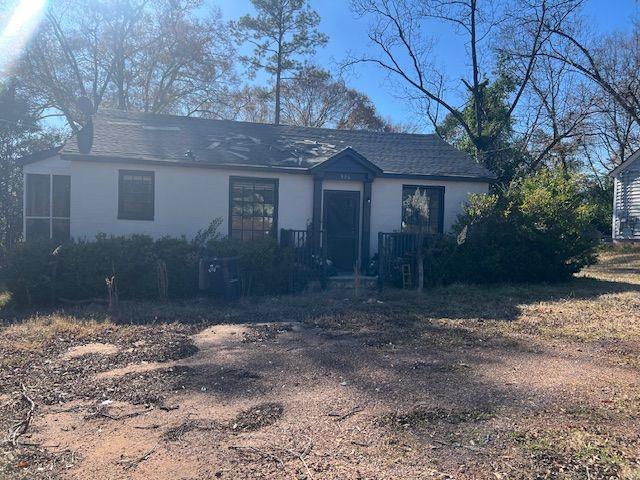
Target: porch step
[[348, 282]]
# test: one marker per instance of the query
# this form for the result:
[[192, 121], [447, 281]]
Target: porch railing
[[396, 249], [310, 257]]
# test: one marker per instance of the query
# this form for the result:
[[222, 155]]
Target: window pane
[[136, 195], [60, 230], [253, 207], [412, 218], [37, 228], [61, 196], [38, 191]]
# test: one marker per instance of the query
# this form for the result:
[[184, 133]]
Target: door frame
[[357, 194]]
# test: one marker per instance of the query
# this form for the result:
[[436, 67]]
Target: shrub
[[29, 271], [77, 270], [265, 268], [540, 229], [181, 259], [84, 266]]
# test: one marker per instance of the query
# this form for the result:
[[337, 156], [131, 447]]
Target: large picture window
[[47, 206], [136, 195], [253, 208], [411, 218]]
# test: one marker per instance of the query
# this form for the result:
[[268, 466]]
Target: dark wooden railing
[[397, 248], [310, 257]]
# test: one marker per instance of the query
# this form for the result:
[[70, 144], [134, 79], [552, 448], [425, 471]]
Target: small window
[[136, 195], [435, 204], [61, 199], [47, 207], [253, 208], [38, 195]]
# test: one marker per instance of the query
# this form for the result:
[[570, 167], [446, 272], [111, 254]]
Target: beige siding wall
[[187, 199], [386, 202]]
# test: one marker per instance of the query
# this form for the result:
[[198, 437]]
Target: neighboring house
[[163, 175], [626, 200]]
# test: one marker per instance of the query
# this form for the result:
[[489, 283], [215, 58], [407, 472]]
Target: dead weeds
[[575, 454], [421, 417], [257, 417]]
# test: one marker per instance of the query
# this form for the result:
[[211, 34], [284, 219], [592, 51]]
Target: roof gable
[[624, 165], [347, 161]]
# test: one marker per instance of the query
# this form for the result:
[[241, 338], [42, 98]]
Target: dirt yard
[[462, 382]]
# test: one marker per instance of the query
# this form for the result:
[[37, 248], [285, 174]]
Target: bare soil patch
[[95, 348], [464, 382]]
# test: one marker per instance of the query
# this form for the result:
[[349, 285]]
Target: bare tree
[[613, 136], [556, 121], [398, 29], [612, 62], [281, 33], [249, 104], [151, 55], [313, 98]]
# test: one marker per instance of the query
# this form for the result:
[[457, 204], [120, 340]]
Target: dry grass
[[603, 316], [36, 333], [469, 382], [4, 298]]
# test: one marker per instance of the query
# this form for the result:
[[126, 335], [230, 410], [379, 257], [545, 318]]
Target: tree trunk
[[278, 80]]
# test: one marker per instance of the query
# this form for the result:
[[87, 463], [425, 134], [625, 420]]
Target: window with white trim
[[47, 206]]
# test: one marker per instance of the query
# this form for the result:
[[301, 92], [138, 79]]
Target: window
[[47, 206], [253, 207], [136, 195], [435, 199]]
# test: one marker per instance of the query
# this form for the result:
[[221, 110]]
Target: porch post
[[366, 222], [316, 218]]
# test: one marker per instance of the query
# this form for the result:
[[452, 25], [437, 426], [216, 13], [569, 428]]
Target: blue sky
[[348, 33]]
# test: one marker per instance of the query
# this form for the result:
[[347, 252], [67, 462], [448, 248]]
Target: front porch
[[313, 258]]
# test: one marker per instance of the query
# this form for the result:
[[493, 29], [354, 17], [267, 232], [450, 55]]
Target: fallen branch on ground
[[103, 413], [134, 462], [147, 427], [271, 455], [300, 456], [262, 453], [21, 427], [341, 417]]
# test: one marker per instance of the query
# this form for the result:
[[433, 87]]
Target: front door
[[341, 222]]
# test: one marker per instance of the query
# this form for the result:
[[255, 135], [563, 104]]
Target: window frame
[[122, 215], [50, 217], [276, 202], [441, 193]]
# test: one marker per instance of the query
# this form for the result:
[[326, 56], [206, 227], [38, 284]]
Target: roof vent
[[163, 129], [190, 155]]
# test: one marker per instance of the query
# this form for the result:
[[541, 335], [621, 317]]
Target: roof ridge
[[126, 113]]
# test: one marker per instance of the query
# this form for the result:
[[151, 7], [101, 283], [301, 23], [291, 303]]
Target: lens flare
[[16, 31]]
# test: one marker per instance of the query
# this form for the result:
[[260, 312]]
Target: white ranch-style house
[[160, 175]]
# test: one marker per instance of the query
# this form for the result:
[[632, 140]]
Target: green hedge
[[540, 229], [42, 272]]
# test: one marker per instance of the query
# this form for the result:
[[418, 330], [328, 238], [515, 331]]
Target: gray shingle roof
[[174, 139]]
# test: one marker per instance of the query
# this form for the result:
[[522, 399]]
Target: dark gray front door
[[342, 225]]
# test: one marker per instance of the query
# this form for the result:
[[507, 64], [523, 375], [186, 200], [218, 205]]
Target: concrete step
[[348, 282]]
